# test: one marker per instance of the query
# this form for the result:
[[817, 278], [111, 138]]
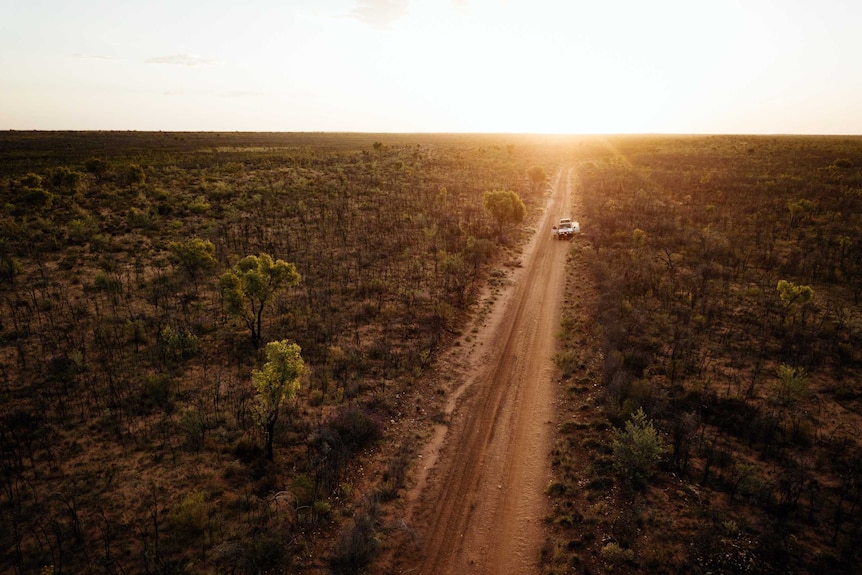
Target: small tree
[[506, 207], [276, 382], [792, 294], [799, 210], [10, 268], [794, 297], [247, 288], [792, 385], [639, 237], [636, 449], [537, 177], [194, 257]]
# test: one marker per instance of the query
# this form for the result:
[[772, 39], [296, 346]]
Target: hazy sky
[[569, 66]]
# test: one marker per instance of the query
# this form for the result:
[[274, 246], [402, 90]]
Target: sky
[[526, 66]]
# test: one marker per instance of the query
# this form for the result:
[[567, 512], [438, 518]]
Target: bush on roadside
[[637, 449]]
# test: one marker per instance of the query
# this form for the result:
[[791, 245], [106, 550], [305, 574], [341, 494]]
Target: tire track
[[482, 508]]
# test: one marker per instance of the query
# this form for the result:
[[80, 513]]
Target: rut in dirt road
[[482, 509]]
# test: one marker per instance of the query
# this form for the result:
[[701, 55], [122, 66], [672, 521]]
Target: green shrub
[[792, 385], [63, 177], [322, 509], [176, 345], [134, 174], [616, 555], [30, 180], [36, 198], [556, 489], [191, 517], [81, 230], [138, 218], [567, 363], [315, 398], [157, 392], [637, 449], [199, 205]]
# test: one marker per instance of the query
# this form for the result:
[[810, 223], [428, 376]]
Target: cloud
[[179, 60], [380, 13]]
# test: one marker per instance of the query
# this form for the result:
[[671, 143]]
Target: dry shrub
[[356, 546], [356, 427]]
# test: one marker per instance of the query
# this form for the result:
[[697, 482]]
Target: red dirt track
[[478, 502]]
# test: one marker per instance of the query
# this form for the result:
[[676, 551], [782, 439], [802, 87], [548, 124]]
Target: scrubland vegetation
[[728, 273], [216, 349], [201, 332]]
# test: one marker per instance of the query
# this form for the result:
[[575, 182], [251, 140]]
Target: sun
[[490, 73]]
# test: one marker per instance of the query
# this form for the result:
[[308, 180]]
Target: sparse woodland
[[728, 274], [145, 429], [155, 288]]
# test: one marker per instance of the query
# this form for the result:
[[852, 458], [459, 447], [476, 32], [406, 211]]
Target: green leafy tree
[[792, 294], [249, 285], [194, 256], [275, 383], [794, 297], [505, 206], [637, 449]]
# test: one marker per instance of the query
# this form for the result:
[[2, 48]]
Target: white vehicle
[[566, 229]]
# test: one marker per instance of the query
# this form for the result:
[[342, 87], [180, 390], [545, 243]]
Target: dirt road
[[479, 500]]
